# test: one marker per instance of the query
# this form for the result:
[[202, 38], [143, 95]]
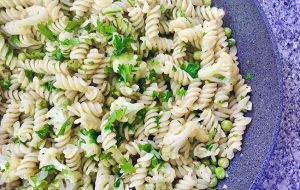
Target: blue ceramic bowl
[[256, 44]]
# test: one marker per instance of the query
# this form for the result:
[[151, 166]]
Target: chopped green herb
[[18, 140], [7, 165], [29, 74], [209, 147], [88, 27], [107, 31], [154, 62], [235, 135], [43, 29], [40, 177], [152, 75], [174, 69], [121, 44], [242, 97], [44, 132], [146, 147], [165, 96], [140, 116], [104, 156], [125, 71], [64, 171], [65, 103], [162, 8], [64, 126], [38, 54], [126, 167], [248, 76], [57, 55], [15, 40], [5, 84], [114, 116], [108, 70], [221, 77], [181, 92], [91, 134], [71, 41], [154, 94], [74, 24], [50, 87], [117, 182], [204, 33], [191, 68]]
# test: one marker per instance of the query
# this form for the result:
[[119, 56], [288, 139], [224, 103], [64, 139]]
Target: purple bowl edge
[[279, 63]]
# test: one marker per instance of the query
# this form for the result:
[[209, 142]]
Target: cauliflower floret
[[126, 58], [225, 71], [48, 156], [57, 117], [173, 143], [8, 166], [131, 108], [141, 71]]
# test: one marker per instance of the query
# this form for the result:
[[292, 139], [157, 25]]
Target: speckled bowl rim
[[278, 59]]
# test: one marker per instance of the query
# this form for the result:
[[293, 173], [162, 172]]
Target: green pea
[[228, 32], [220, 173], [214, 162], [212, 168], [22, 56], [197, 55], [207, 2], [231, 42], [205, 161], [223, 162], [213, 182], [226, 125]]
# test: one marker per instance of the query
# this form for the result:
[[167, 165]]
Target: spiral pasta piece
[[103, 175], [206, 95], [235, 137], [192, 94], [138, 179], [107, 137], [70, 83], [136, 17], [9, 14], [176, 73], [28, 166], [188, 182], [192, 35], [146, 98], [15, 3], [80, 7], [151, 123], [210, 13], [209, 42], [152, 21]]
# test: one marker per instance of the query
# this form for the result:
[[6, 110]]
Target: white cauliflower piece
[[57, 117], [126, 58], [173, 143], [131, 108], [141, 71], [8, 166], [48, 156], [225, 71]]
